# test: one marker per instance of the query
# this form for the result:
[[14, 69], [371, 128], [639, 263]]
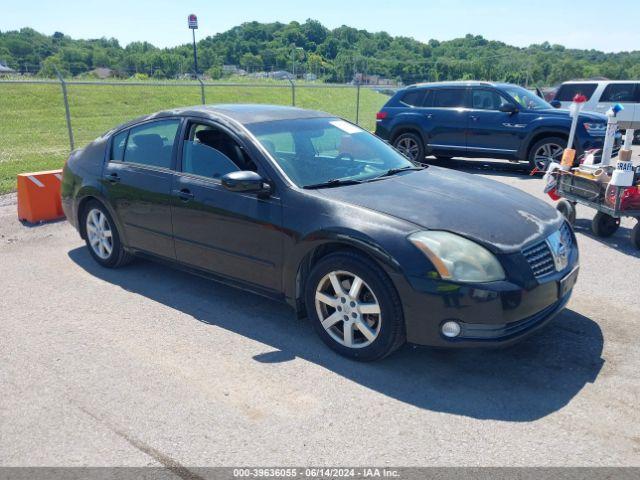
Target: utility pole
[[193, 25]]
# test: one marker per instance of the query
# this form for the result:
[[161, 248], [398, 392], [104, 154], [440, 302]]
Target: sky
[[584, 24]]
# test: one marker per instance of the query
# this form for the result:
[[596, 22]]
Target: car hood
[[502, 218], [565, 113]]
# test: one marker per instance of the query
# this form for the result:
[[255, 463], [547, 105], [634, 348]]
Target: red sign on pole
[[193, 21]]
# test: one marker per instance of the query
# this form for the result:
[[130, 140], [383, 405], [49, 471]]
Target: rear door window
[[568, 91], [118, 143], [151, 144], [449, 98], [619, 92]]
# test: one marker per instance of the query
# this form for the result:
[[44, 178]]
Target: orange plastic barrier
[[39, 196]]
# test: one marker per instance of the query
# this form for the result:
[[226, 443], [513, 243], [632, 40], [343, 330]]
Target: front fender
[[541, 127], [336, 238]]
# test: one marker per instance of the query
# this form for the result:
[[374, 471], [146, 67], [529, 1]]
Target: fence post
[[202, 90], [293, 92], [357, 103], [63, 84]]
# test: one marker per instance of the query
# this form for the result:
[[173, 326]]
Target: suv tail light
[[381, 115]]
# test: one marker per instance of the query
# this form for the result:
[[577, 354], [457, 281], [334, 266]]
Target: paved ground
[[150, 366]]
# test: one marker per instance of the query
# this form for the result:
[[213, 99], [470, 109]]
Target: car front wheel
[[545, 151], [353, 307], [102, 238]]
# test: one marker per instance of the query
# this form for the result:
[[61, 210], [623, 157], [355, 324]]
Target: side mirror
[[508, 108], [245, 181], [555, 103]]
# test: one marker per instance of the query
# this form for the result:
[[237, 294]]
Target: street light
[[293, 59]]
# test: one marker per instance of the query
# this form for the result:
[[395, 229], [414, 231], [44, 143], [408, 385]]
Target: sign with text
[[193, 21]]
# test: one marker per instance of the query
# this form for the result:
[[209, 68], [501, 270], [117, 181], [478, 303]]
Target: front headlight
[[457, 258], [595, 129]]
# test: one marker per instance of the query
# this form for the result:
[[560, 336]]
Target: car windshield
[[527, 99], [314, 151]]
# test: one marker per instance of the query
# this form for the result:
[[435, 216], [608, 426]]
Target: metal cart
[[604, 198]]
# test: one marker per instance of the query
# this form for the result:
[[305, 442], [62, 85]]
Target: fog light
[[451, 329]]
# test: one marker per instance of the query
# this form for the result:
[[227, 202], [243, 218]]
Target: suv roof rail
[[452, 82]]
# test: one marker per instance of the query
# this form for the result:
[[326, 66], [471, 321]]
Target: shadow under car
[[521, 383]]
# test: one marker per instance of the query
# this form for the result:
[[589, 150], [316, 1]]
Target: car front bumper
[[490, 315]]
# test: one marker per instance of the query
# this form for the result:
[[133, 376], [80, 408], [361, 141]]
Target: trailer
[[610, 202]]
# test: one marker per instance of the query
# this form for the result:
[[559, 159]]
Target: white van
[[601, 95]]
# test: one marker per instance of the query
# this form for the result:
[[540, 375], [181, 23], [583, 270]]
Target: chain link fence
[[43, 120]]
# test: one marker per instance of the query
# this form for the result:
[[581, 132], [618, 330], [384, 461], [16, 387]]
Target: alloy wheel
[[547, 153], [348, 309], [99, 233], [408, 147]]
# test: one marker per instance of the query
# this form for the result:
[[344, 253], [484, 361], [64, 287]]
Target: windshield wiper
[[394, 171], [334, 182]]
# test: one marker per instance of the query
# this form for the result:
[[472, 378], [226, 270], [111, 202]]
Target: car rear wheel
[[353, 307], [545, 151], [102, 238], [411, 146]]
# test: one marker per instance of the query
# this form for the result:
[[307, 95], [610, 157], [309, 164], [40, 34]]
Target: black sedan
[[308, 208]]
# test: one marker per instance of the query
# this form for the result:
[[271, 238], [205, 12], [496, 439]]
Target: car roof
[[244, 114], [460, 83], [598, 82]]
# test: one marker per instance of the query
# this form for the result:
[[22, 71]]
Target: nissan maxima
[[310, 209]]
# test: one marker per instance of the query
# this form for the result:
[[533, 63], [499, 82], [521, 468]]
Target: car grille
[[539, 256], [540, 259]]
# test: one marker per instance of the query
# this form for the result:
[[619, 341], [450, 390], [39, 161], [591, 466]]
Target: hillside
[[333, 55]]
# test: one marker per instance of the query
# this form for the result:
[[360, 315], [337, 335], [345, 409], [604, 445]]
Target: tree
[[251, 62], [339, 53]]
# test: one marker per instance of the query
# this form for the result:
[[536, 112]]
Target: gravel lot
[[150, 366]]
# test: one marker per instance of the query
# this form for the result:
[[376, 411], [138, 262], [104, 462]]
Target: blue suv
[[481, 119]]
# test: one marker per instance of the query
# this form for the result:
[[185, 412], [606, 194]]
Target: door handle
[[473, 117], [428, 115], [185, 194], [113, 177]]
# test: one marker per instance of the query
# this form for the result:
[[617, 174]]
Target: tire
[[635, 235], [550, 147], [411, 146], [568, 209], [373, 335], [102, 237], [604, 225]]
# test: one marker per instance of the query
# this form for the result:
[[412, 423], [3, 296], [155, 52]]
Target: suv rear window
[[413, 98], [620, 92], [449, 97], [567, 91]]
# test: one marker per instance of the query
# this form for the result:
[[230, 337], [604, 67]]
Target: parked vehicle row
[[310, 209], [482, 119]]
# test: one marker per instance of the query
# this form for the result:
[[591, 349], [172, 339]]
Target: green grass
[[33, 131]]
